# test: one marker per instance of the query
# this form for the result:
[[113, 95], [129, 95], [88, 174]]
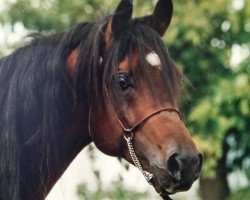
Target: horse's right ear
[[120, 20], [161, 17]]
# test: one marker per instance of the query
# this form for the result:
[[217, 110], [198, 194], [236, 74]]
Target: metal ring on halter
[[128, 137]]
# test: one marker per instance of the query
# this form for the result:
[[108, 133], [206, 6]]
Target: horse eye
[[123, 82]]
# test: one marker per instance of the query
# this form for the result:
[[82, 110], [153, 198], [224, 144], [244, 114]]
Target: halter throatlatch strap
[[129, 134]]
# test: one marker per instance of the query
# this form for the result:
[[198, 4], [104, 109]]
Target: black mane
[[38, 97]]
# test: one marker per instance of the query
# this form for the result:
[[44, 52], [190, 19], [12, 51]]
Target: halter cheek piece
[[129, 134]]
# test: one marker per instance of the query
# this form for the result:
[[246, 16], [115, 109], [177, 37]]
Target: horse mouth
[[163, 192]]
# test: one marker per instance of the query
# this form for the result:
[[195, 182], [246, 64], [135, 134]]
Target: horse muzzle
[[178, 174]]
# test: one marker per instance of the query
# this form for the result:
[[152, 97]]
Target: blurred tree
[[210, 41], [118, 192], [240, 194]]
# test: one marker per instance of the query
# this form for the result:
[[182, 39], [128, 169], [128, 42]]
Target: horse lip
[[166, 197], [163, 192], [169, 191], [154, 184], [163, 189]]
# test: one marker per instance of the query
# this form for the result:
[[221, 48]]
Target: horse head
[[139, 118]]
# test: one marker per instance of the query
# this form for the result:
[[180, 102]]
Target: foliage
[[118, 191], [203, 39], [243, 194]]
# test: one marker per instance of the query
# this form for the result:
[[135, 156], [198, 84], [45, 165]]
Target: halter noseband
[[129, 134]]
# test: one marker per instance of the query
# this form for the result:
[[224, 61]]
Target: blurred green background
[[210, 42]]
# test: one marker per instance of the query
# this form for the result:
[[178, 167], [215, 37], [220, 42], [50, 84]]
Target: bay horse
[[110, 82]]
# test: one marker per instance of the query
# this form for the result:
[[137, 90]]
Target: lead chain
[[148, 176]]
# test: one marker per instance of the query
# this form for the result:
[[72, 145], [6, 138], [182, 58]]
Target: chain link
[[148, 176]]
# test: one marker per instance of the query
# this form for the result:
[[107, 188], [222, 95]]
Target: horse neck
[[39, 180]]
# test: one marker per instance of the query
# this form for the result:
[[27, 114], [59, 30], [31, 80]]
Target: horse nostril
[[174, 167], [184, 169], [200, 164], [200, 160], [198, 170]]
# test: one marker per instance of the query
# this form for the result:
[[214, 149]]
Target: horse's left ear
[[120, 20], [161, 17]]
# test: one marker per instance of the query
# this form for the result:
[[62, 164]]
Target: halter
[[129, 134]]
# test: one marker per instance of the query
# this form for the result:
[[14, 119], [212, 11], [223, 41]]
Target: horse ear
[[161, 17], [120, 20], [122, 16]]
